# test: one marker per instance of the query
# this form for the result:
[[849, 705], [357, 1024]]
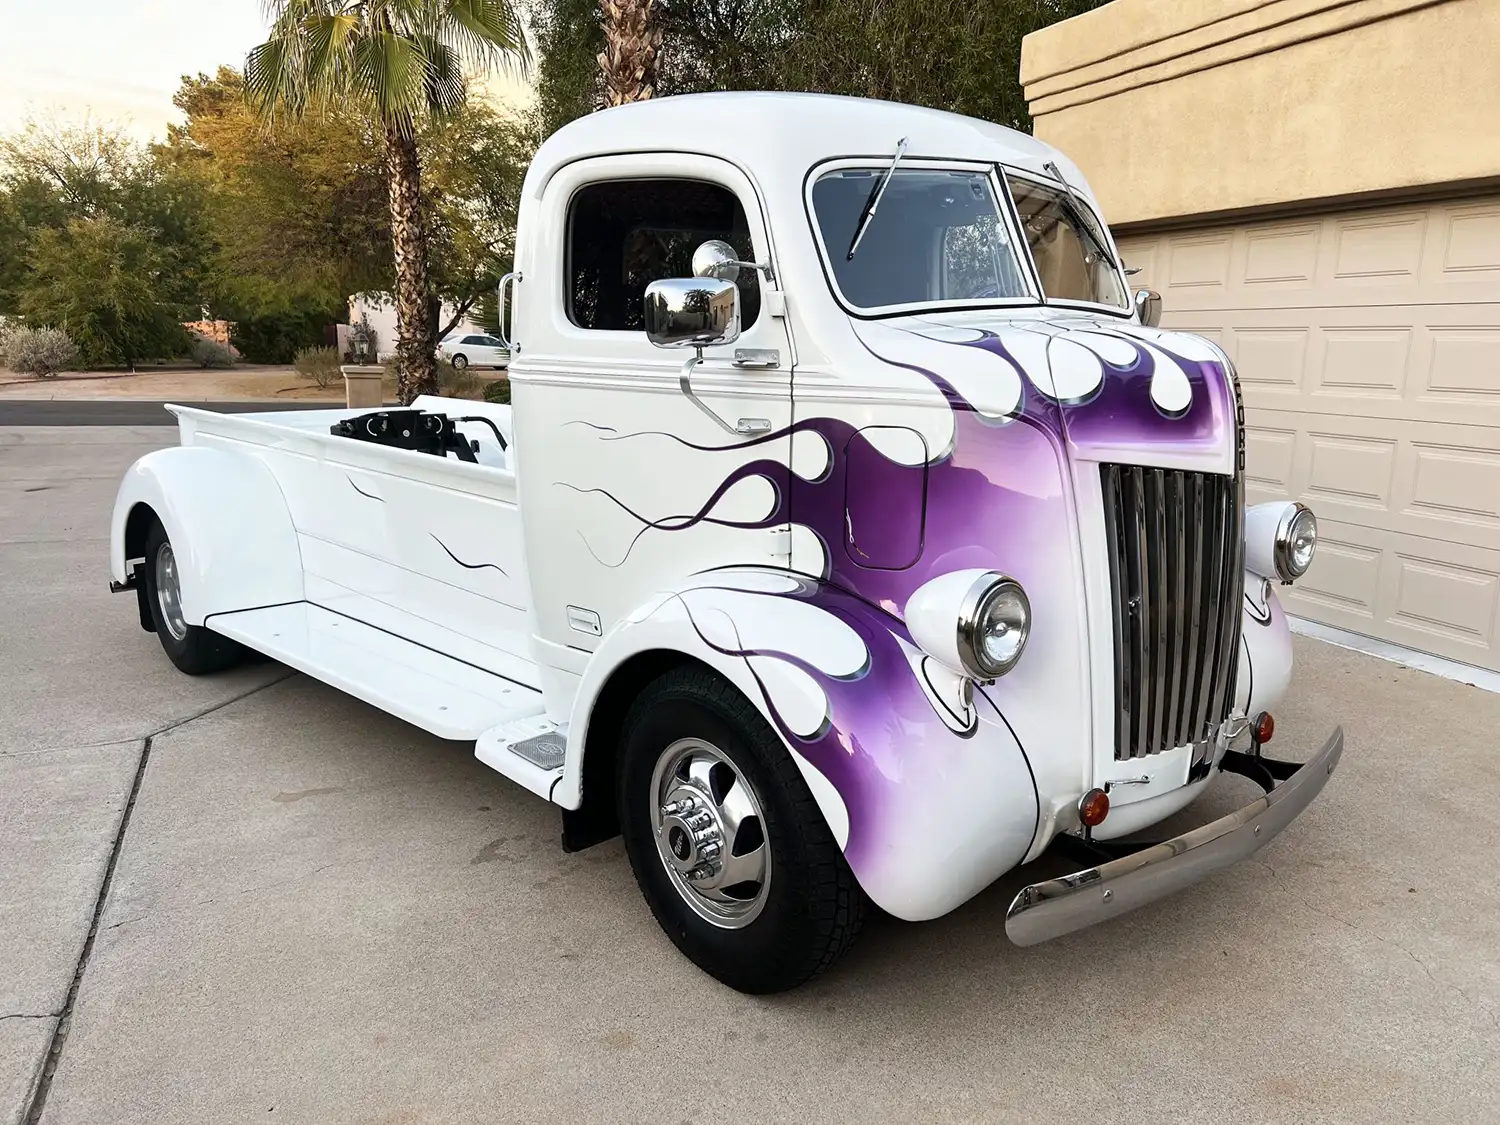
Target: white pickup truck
[[855, 536]]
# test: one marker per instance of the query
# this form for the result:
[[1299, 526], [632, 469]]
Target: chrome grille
[[1176, 557]]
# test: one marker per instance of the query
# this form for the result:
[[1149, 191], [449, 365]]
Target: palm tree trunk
[[416, 362], [632, 39]]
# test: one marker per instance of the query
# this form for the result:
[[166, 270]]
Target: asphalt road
[[122, 412], [248, 897]]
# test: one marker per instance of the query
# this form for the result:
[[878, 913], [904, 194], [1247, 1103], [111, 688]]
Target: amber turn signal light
[[1263, 727], [1093, 808]]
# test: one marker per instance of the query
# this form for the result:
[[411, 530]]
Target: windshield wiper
[[1080, 212], [874, 201]]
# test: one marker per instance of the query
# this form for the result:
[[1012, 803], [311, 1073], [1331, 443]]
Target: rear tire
[[460, 362], [192, 648], [693, 740]]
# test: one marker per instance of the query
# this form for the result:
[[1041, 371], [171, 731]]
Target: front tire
[[460, 362], [730, 850], [192, 648]]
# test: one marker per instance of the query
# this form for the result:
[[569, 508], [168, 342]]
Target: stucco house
[[380, 311], [1315, 184]]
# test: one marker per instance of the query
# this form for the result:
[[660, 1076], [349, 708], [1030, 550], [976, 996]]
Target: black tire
[[460, 362], [813, 906], [198, 651]]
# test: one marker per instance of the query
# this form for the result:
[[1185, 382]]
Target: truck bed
[[419, 556]]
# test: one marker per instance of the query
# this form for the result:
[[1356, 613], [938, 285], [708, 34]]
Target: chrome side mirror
[[1148, 307], [692, 312], [716, 258], [697, 313]]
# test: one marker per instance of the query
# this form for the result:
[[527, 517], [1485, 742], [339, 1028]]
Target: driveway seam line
[[38, 1099]]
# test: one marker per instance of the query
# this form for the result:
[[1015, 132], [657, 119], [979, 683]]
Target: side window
[[1068, 251], [473, 339], [625, 234]]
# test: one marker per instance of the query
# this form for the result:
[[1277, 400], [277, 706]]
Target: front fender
[[930, 801], [230, 529], [1265, 669]]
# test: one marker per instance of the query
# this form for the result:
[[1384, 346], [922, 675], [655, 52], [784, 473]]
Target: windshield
[[1069, 251], [937, 238]]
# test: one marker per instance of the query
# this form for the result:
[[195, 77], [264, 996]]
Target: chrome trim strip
[[1050, 909], [1226, 660], [1140, 729], [1191, 724], [1115, 536], [1182, 658], [1213, 608], [1161, 667]]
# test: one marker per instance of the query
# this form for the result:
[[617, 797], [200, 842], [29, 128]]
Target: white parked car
[[474, 349], [929, 558]]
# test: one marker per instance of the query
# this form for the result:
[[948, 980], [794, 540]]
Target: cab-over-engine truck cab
[[871, 537]]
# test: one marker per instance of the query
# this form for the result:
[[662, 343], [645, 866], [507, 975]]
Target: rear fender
[[229, 526], [930, 802]]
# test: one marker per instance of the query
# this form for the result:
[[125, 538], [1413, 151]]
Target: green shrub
[[278, 338], [318, 364], [452, 383], [38, 351], [210, 353], [498, 391]]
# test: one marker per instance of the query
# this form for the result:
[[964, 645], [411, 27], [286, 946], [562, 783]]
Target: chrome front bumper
[[1059, 906]]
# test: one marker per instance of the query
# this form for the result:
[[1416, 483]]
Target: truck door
[[628, 485]]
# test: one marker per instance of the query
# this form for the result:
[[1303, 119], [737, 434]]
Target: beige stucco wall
[[1177, 108]]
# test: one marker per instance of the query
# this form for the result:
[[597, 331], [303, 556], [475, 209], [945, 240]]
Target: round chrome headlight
[[1296, 542], [993, 625]]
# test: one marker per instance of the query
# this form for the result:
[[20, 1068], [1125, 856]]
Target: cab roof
[[785, 134]]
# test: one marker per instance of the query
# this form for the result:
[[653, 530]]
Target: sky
[[120, 61]]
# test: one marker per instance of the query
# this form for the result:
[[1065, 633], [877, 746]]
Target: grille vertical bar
[[1156, 536], [1176, 557], [1183, 664]]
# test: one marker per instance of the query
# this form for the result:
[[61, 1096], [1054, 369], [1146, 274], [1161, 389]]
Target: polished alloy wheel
[[710, 833], [169, 592]]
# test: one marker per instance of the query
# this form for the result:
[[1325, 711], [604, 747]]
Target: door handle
[[757, 357], [509, 279]]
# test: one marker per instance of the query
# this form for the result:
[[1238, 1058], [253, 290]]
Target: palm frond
[[483, 30], [329, 39], [270, 78], [445, 84], [390, 71], [399, 57]]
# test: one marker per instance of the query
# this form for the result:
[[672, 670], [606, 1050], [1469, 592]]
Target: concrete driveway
[[250, 898]]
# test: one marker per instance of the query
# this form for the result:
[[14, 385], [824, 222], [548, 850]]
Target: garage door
[[1368, 347]]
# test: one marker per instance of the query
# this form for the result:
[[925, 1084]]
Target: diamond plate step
[[530, 750], [545, 751]]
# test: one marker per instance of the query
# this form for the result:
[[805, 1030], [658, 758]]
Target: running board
[[427, 688], [529, 750]]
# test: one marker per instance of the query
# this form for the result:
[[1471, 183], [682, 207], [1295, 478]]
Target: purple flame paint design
[[998, 487], [1000, 498], [875, 717]]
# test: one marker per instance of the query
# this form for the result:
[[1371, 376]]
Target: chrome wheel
[[169, 592], [710, 833]]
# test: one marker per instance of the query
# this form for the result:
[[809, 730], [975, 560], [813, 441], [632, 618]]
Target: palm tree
[[401, 61], [631, 41]]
